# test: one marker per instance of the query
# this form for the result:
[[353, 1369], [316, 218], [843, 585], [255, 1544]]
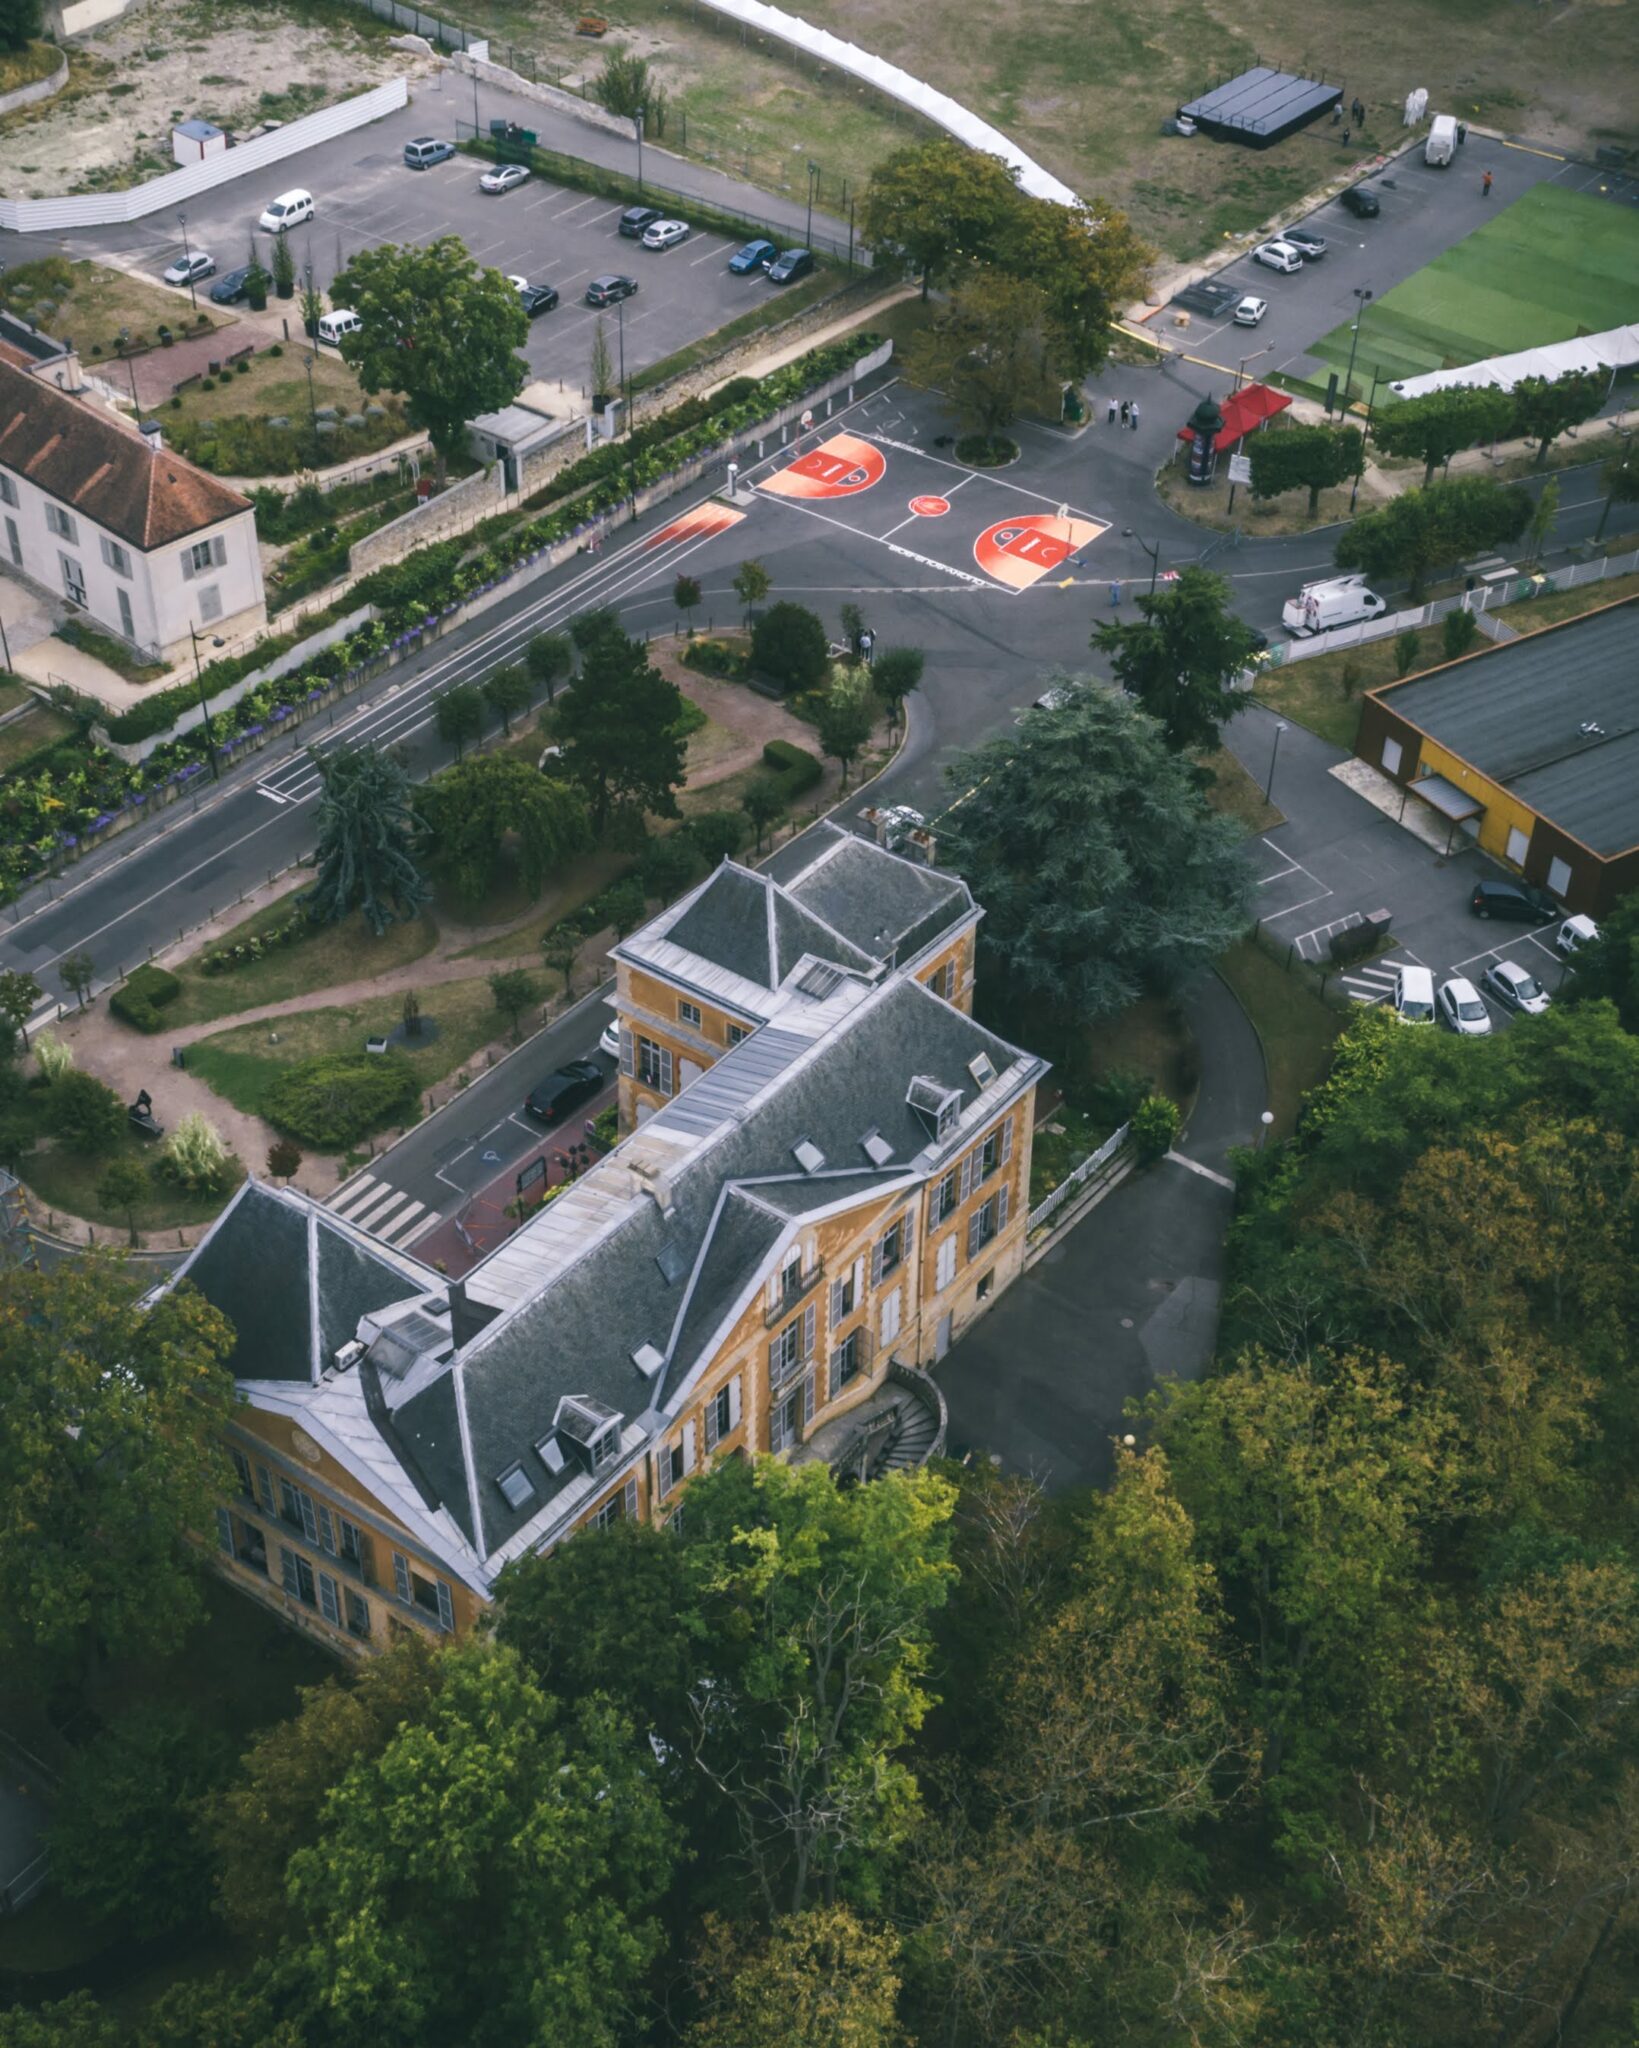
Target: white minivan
[[1441, 145], [332, 326], [1335, 601], [289, 210], [1413, 994]]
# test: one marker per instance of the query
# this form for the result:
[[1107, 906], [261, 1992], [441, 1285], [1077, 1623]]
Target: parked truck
[[1441, 145], [1336, 601]]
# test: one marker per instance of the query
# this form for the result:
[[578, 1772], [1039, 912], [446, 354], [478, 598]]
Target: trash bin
[[498, 129]]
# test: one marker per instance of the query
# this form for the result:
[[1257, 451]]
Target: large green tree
[[847, 715], [1180, 658], [367, 840], [937, 206], [820, 1980], [993, 349], [488, 1876], [437, 328], [618, 730], [1608, 970], [110, 1461], [1091, 264], [1441, 423], [20, 22], [1434, 528], [789, 646], [1307, 458], [1101, 868], [1544, 407], [482, 812]]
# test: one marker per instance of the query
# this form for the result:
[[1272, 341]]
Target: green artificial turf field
[[1553, 265]]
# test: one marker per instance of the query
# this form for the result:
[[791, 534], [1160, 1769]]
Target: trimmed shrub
[[224, 959], [713, 658], [788, 645], [338, 1098], [139, 1000], [796, 769], [1154, 1127]]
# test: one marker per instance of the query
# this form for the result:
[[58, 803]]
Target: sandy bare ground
[[233, 63]]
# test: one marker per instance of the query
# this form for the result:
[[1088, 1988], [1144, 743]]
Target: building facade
[[769, 1263], [123, 528]]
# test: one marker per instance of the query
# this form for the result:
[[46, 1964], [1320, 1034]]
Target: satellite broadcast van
[[1441, 145], [1338, 601]]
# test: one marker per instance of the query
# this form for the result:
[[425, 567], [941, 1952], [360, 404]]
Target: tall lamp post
[[130, 370], [637, 123], [312, 405], [1154, 554], [625, 395], [1274, 752], [187, 253], [1252, 358], [813, 180], [1363, 295], [1616, 481], [204, 704]]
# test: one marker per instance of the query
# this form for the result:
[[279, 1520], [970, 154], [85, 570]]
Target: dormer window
[[935, 1106], [605, 1447]]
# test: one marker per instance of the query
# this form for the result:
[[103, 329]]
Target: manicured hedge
[[142, 995], [797, 769], [337, 1098]]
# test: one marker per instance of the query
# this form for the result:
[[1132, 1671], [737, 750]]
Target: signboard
[[533, 1176], [1240, 469]]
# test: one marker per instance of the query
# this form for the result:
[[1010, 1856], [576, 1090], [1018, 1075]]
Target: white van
[[1441, 145], [1337, 601], [289, 210], [1413, 996], [332, 326]]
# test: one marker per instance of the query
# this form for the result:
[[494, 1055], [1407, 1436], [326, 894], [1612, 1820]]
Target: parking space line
[[706, 255], [591, 200]]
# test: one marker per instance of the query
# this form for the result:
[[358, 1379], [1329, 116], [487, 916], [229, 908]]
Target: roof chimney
[[150, 431]]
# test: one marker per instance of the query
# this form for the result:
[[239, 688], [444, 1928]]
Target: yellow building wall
[[1503, 811], [959, 954]]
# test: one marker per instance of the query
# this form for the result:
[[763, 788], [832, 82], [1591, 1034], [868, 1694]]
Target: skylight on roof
[[550, 1453], [876, 1147], [982, 1068], [672, 1263], [648, 1360], [517, 1488], [808, 1155], [819, 979]]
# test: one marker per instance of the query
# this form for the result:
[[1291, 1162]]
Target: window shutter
[[774, 1363], [219, 550], [859, 1281], [327, 1529], [836, 1303], [625, 1048], [1007, 1141], [808, 1330], [446, 1606], [808, 1399], [711, 1423], [310, 1520], [367, 1557], [665, 1070], [288, 1572], [907, 1234], [973, 1226], [662, 1472], [628, 1502], [877, 1250], [329, 1600], [776, 1429], [1001, 1212], [188, 571], [688, 1448], [401, 1577], [965, 1185], [734, 1402], [224, 1530], [264, 1489]]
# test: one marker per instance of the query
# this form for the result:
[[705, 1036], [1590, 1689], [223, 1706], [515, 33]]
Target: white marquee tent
[[1607, 353]]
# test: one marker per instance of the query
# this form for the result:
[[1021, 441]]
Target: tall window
[[943, 1200], [73, 579], [654, 1065], [689, 1013], [115, 556], [128, 624], [297, 1575], [61, 524], [8, 490], [14, 543]]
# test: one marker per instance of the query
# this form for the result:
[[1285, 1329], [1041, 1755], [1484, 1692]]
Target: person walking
[[1109, 417], [1135, 416], [1485, 186], [1124, 411]]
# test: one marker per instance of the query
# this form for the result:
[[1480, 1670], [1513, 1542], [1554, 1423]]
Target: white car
[[666, 234], [609, 1040], [1251, 310], [1516, 989], [1461, 1008], [1278, 256], [1576, 932], [190, 269], [503, 178]]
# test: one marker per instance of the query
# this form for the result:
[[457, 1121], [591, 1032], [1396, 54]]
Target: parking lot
[[365, 195], [1424, 211]]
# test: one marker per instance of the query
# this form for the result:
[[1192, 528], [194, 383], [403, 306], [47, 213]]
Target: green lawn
[[1324, 692], [335, 954], [36, 728], [1296, 1028], [1552, 265], [68, 1181]]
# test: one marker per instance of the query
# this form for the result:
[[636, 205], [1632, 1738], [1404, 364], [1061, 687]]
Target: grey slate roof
[[892, 908], [730, 924], [256, 1267], [1516, 713], [577, 1335]]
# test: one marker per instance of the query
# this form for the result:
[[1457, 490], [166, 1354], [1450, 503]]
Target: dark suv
[[1518, 902], [551, 1100], [1362, 204], [636, 218]]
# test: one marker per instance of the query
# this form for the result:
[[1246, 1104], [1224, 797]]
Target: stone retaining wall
[[31, 95]]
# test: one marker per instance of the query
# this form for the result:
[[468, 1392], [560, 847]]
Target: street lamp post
[[130, 370], [204, 702], [312, 405], [1610, 495], [1280, 727], [850, 236], [1363, 294], [625, 395], [1154, 554], [813, 180], [637, 123], [1252, 358], [187, 254]]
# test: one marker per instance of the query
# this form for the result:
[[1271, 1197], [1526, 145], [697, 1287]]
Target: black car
[[636, 218], [538, 298], [229, 290], [1518, 902], [1361, 203], [789, 265], [606, 291], [551, 1100]]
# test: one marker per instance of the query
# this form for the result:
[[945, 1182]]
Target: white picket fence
[[1491, 597], [1079, 1178]]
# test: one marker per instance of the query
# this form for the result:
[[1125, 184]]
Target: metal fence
[[1078, 1179], [451, 35]]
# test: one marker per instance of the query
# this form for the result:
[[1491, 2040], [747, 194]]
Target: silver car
[[1515, 989], [1460, 1007]]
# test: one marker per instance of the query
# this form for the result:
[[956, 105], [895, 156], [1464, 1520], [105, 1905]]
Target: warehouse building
[[1532, 748]]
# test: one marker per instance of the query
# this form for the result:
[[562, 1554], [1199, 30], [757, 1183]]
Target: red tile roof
[[88, 461]]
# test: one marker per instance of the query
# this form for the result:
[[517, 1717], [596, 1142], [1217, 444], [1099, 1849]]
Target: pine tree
[[366, 858]]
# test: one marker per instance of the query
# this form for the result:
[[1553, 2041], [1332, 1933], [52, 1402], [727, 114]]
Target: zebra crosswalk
[[382, 1210], [1373, 983]]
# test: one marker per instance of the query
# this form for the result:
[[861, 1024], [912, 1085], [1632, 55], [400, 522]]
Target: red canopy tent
[[1244, 410]]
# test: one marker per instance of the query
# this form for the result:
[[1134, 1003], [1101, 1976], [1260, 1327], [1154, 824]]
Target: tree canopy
[[1434, 528], [993, 349], [1311, 458], [619, 731], [1544, 407], [1100, 866], [1180, 658], [367, 839], [1439, 424], [437, 328], [481, 812]]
